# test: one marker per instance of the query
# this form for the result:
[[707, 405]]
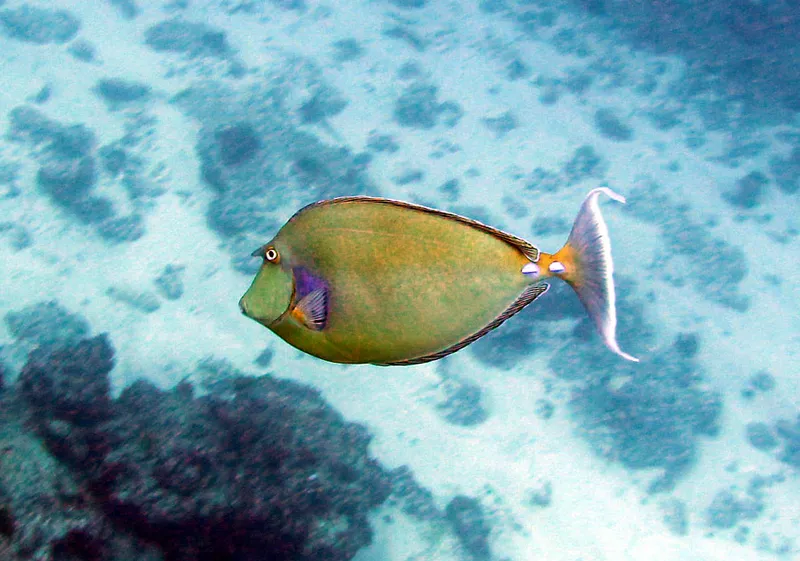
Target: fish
[[370, 280]]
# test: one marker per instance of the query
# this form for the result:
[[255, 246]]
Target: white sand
[[600, 511]]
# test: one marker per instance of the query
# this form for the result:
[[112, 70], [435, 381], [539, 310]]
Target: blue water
[[148, 147]]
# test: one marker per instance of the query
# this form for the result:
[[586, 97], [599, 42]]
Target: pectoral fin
[[312, 310], [311, 300]]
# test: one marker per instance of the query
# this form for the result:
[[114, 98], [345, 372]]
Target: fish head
[[270, 294]]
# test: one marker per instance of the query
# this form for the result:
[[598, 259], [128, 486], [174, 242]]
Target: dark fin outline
[[530, 251], [530, 294], [313, 308]]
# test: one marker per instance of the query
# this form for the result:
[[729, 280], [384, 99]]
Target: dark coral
[[254, 145], [324, 103], [418, 107], [502, 124], [609, 125], [727, 509], [507, 346], [760, 382], [462, 402], [346, 50], [761, 436], [750, 47], [68, 172], [585, 163], [44, 513], [789, 433], [28, 124], [68, 181], [128, 9], [749, 191], [257, 468], [83, 50], [469, 523], [716, 267], [191, 38], [645, 415], [46, 324], [170, 282], [118, 91], [237, 144], [70, 383], [787, 172], [413, 498], [38, 25]]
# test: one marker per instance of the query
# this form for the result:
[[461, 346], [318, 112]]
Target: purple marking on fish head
[[306, 282]]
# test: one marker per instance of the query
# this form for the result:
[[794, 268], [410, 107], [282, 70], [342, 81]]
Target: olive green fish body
[[367, 280], [402, 282]]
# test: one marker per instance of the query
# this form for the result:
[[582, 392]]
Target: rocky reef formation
[[256, 468]]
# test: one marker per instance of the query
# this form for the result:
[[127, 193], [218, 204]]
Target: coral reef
[[46, 323], [716, 267], [83, 50], [749, 191], [68, 172], [647, 415], [787, 171], [346, 50], [609, 125], [170, 283], [470, 525], [70, 383], [117, 92], [585, 164], [128, 9], [412, 498], [418, 107], [753, 49], [519, 337], [254, 469], [728, 508], [38, 25], [190, 38], [257, 152], [460, 400], [789, 433]]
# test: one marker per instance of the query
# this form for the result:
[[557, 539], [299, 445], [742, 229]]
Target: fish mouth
[[243, 307]]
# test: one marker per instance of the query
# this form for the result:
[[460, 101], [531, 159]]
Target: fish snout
[[243, 306]]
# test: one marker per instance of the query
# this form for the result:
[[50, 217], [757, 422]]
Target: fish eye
[[271, 255]]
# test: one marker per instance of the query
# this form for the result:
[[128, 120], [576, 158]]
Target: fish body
[[372, 280]]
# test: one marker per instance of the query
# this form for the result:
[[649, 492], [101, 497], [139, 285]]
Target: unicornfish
[[372, 280]]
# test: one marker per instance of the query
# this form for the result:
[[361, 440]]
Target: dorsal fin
[[529, 295], [530, 251]]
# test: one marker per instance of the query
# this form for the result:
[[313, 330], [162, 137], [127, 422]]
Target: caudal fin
[[585, 263]]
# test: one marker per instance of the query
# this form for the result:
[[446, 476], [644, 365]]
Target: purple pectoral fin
[[311, 297], [313, 309]]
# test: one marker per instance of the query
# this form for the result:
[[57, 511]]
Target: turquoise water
[[149, 147]]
